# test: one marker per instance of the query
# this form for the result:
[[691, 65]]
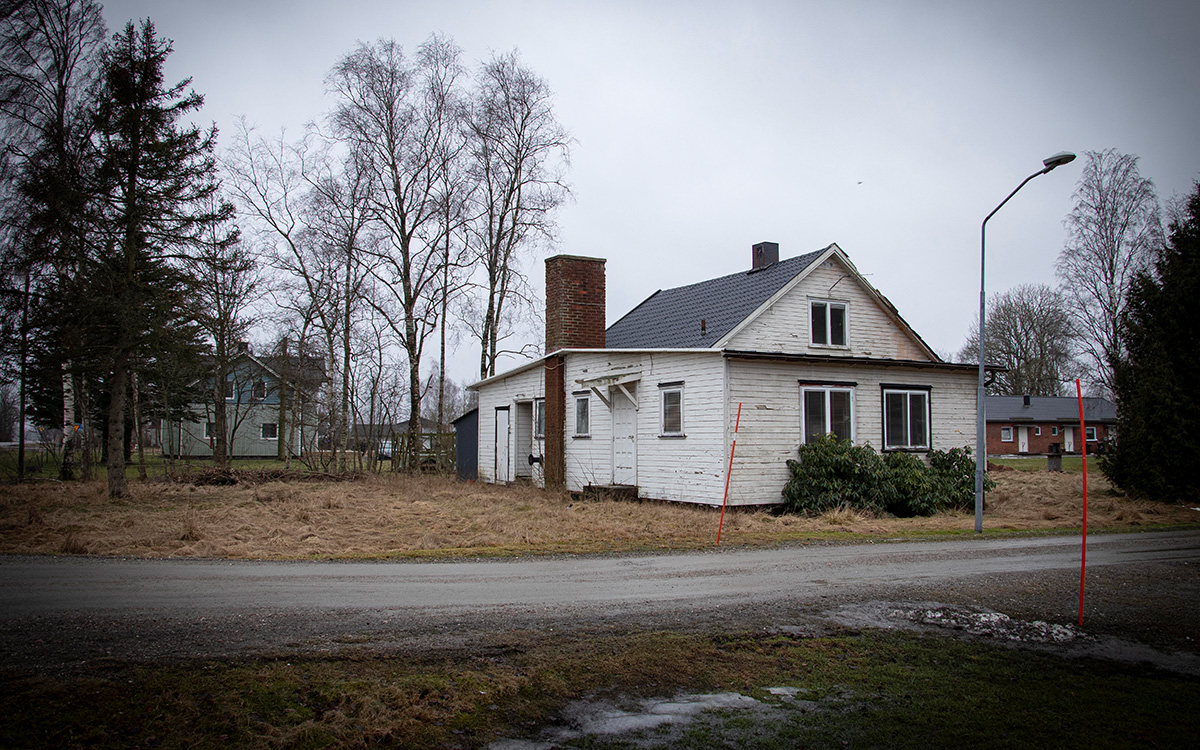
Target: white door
[[624, 417], [503, 460], [1022, 440], [1068, 440]]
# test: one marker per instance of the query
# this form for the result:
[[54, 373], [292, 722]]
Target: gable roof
[[1049, 409], [670, 318]]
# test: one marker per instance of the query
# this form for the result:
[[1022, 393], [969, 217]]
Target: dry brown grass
[[397, 516]]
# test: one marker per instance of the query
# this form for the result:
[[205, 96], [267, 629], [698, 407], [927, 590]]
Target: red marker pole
[[1083, 438], [729, 473]]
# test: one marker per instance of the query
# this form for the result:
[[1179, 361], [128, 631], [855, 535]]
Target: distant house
[[385, 439], [270, 402], [1047, 424], [798, 348]]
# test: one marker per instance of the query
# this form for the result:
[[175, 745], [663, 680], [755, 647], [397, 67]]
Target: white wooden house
[[801, 347]]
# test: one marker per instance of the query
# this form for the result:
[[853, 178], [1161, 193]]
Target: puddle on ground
[[604, 718], [1065, 640]]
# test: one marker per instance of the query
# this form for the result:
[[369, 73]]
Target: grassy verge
[[875, 689], [1070, 464]]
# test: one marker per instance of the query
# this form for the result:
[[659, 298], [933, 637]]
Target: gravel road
[[64, 613]]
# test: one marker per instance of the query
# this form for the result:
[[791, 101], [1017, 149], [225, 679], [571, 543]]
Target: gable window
[[268, 431], [905, 418], [1006, 435], [228, 390], [825, 410], [539, 418], [583, 413], [672, 410], [259, 392], [828, 323]]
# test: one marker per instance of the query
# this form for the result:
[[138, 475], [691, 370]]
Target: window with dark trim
[[826, 410], [905, 419], [672, 411], [828, 323], [583, 427]]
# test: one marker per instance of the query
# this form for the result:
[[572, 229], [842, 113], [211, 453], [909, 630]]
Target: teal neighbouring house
[[270, 407]]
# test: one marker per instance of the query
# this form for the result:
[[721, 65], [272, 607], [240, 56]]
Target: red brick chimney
[[574, 303], [574, 320]]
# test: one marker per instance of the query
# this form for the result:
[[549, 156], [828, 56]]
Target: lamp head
[[1059, 159]]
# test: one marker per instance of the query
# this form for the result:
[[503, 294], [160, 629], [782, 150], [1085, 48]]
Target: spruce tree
[[1157, 383], [157, 179]]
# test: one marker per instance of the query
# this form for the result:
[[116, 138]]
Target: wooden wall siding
[[688, 469], [784, 327], [526, 385], [769, 433]]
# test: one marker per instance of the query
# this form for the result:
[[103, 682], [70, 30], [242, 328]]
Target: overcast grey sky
[[890, 128]]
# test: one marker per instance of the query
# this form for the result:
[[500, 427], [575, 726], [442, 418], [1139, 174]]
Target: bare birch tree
[[519, 157], [398, 112], [1114, 231]]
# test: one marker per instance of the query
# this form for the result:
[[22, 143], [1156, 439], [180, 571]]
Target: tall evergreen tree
[[157, 182], [1157, 383]]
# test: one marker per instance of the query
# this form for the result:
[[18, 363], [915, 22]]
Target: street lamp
[[1059, 159]]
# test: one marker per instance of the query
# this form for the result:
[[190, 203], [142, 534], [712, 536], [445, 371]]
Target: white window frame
[[230, 390], [539, 418], [1090, 434], [1006, 431], [909, 444], [210, 430], [827, 390], [662, 415], [262, 429], [587, 416], [255, 390], [1037, 431], [1054, 430], [829, 304]]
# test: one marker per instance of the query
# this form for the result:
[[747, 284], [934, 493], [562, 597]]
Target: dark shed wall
[[466, 443]]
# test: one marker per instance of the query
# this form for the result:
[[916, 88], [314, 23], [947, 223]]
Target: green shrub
[[832, 473]]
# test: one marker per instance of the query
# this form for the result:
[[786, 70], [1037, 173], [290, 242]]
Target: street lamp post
[[1059, 159]]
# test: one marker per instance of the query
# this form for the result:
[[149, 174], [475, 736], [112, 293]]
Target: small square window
[[1089, 434], [268, 431], [828, 323], [1006, 435], [1054, 430], [582, 417], [1037, 430]]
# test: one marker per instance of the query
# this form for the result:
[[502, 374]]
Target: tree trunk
[[115, 458], [137, 427]]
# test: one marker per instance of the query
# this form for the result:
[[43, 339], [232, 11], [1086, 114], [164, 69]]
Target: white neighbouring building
[[805, 346]]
